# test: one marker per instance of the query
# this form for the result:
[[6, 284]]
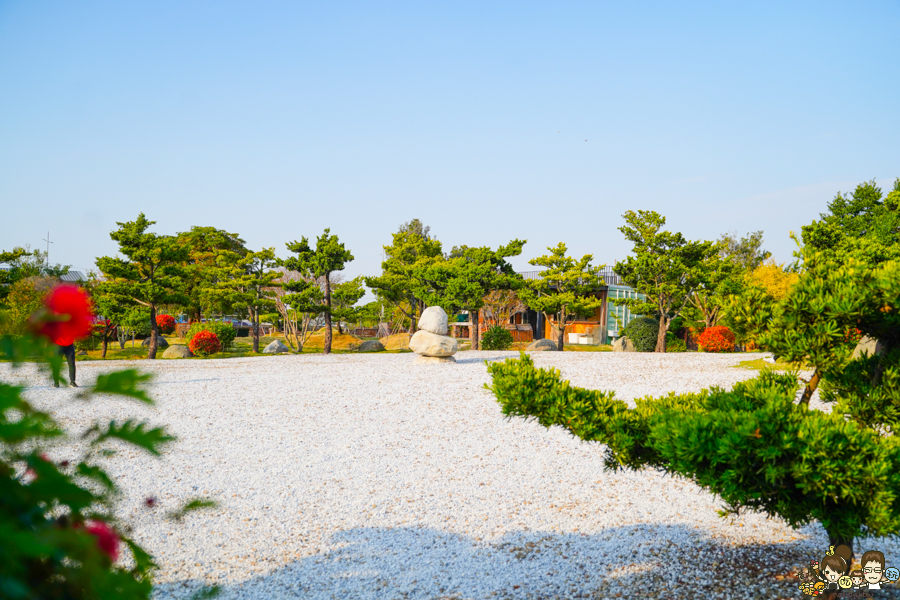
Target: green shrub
[[90, 343], [643, 332], [675, 343], [496, 338], [224, 331]]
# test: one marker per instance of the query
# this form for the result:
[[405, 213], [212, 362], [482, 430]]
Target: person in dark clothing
[[69, 353]]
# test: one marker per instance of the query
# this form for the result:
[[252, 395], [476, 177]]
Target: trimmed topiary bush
[[643, 332], [224, 331], [716, 339], [205, 343], [496, 338], [166, 324]]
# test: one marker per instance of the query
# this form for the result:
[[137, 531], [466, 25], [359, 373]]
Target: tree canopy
[[329, 256], [463, 279], [565, 288], [152, 271], [665, 267], [412, 251], [864, 225]]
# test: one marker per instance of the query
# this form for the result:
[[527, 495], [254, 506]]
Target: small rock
[[426, 343], [434, 320], [177, 351], [160, 343], [541, 346], [276, 347], [371, 346], [82, 353], [623, 344]]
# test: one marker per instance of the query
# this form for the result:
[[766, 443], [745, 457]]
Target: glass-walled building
[[619, 316]]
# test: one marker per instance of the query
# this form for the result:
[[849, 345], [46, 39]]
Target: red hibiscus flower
[[107, 540], [70, 315]]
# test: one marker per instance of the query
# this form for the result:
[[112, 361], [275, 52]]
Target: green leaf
[[123, 383], [191, 506], [136, 434]]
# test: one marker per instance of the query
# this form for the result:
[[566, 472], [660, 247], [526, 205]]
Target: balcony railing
[[607, 273]]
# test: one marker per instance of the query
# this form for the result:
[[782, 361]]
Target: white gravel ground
[[369, 476]]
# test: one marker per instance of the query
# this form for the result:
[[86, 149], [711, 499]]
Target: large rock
[[869, 345], [276, 347], [623, 344], [434, 320], [544, 345], [371, 346], [160, 343], [177, 351], [431, 344]]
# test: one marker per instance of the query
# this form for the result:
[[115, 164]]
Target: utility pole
[[47, 256]]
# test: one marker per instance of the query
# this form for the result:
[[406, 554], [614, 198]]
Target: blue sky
[[488, 121]]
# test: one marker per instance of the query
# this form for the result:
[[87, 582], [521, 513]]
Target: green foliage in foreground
[[57, 514], [752, 445], [757, 446]]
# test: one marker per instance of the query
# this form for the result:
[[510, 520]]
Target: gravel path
[[369, 476]]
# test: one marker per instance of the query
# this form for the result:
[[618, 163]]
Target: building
[[604, 326]]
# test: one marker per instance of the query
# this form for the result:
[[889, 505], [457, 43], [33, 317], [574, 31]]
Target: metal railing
[[609, 276]]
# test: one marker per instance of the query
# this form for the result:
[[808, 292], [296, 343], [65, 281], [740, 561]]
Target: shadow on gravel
[[469, 361], [623, 562]]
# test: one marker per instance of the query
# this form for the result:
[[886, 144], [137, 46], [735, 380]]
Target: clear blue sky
[[488, 121]]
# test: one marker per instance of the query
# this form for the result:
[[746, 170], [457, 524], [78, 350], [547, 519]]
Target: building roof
[[73, 277]]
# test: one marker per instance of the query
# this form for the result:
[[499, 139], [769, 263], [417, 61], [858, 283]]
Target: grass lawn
[[242, 346], [760, 364]]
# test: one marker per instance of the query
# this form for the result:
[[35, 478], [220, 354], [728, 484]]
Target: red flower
[[107, 540], [166, 324], [71, 317]]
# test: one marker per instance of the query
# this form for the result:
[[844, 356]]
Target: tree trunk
[[103, 348], [661, 338], [561, 327], [254, 314], [154, 333], [327, 349], [475, 337]]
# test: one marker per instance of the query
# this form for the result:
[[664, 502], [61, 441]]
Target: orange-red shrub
[[205, 343], [716, 339], [166, 324]]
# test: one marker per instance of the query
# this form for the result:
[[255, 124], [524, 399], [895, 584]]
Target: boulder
[[544, 345], [623, 344], [426, 343], [276, 347], [869, 345], [160, 343], [435, 360], [82, 353], [434, 320], [371, 346], [177, 351]]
